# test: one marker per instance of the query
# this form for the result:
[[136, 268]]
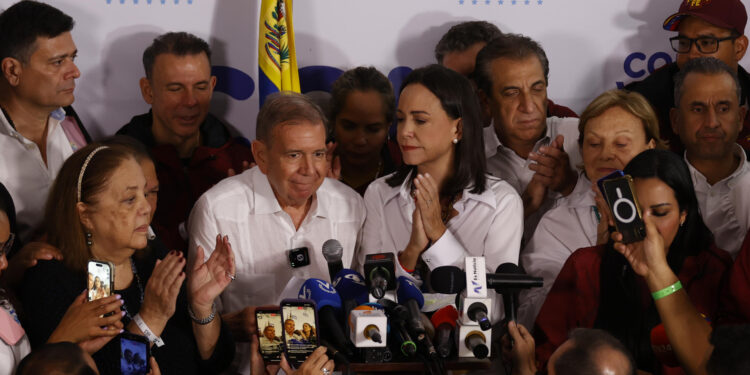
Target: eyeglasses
[[7, 245], [705, 44]]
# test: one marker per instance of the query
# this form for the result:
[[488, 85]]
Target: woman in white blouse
[[440, 206], [613, 129]]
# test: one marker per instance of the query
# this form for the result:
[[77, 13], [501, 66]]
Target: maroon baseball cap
[[729, 14]]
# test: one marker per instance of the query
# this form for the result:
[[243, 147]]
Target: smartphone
[[270, 326], [615, 174], [134, 354], [625, 209], [101, 278], [300, 334]]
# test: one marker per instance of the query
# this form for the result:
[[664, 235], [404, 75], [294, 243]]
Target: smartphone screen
[[99, 279], [300, 329], [625, 209], [270, 327], [133, 355]]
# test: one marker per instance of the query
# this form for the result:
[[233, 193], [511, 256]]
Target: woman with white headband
[[97, 209]]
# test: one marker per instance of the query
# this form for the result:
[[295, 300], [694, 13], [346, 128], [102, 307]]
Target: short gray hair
[[287, 107], [703, 65], [510, 46]]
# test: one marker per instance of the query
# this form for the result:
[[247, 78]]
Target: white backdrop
[[591, 44]]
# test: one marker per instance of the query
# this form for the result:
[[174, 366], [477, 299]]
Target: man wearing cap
[[704, 29]]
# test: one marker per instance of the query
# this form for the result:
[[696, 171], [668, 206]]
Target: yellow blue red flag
[[277, 60]]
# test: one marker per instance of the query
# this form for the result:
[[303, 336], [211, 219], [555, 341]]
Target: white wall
[[587, 42]]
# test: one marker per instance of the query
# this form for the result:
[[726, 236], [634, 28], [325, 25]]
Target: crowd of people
[[473, 159]]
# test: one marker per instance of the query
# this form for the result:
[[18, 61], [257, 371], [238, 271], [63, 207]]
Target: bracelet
[[659, 294], [147, 332], [205, 320]]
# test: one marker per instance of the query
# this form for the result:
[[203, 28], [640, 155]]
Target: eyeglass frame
[[7, 245], [694, 41]]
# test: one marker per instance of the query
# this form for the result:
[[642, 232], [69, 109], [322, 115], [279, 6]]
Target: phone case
[[134, 354], [625, 208]]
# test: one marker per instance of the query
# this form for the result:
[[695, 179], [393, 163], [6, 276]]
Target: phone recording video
[[134, 354], [300, 329], [270, 327], [99, 279]]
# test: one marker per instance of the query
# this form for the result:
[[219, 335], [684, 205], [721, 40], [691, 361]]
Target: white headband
[[83, 169]]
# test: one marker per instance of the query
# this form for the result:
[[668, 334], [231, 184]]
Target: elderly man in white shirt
[[284, 203], [36, 134], [537, 155], [708, 117], [614, 128]]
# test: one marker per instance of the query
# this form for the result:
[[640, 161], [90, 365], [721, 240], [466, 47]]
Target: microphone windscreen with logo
[[407, 290], [321, 292], [351, 285]]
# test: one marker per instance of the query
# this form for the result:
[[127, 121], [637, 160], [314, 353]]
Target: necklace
[[140, 289]]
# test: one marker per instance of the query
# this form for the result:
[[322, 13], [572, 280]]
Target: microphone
[[409, 295], [333, 251], [448, 280], [380, 273], [508, 280], [334, 353], [365, 325], [351, 287], [328, 303], [476, 343], [444, 321]]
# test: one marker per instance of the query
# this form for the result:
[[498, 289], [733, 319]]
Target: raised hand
[[28, 257], [334, 171], [521, 353], [84, 322], [207, 280], [245, 166], [647, 256], [553, 167], [162, 288]]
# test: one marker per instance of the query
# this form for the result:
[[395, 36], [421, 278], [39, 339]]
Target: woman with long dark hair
[[597, 287], [440, 206]]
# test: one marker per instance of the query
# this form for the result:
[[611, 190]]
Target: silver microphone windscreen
[[332, 250]]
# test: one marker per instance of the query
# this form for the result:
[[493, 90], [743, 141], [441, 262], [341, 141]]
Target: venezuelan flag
[[277, 60]]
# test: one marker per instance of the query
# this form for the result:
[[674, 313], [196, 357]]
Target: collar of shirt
[[403, 193], [266, 202], [729, 181], [7, 128], [492, 144], [582, 195]]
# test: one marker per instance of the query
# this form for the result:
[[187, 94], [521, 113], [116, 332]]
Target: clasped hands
[[427, 219]]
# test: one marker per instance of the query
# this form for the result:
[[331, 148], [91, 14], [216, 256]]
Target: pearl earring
[[88, 239], [455, 141]]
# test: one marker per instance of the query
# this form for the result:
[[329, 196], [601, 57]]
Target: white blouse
[[569, 226]]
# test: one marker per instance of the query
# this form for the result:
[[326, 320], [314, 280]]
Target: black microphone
[[478, 312], [509, 280], [334, 353], [448, 280], [333, 251], [477, 343], [380, 273], [409, 295]]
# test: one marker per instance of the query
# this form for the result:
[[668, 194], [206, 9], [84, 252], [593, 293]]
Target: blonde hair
[[632, 102]]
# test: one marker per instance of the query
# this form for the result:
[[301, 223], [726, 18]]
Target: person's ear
[[212, 83], [12, 69], [458, 129], [740, 47], [260, 154], [683, 217], [84, 214], [147, 91], [651, 144]]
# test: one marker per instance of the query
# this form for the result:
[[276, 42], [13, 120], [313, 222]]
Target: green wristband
[[659, 294]]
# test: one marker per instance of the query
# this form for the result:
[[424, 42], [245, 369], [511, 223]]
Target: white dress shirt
[[487, 225], [725, 205], [504, 163], [569, 226], [24, 173], [245, 208]]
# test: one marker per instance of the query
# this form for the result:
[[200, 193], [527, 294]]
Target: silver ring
[[231, 277], [325, 371]]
